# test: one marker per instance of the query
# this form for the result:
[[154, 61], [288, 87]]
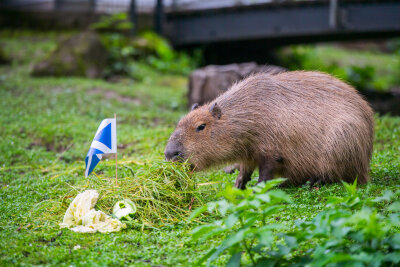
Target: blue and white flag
[[104, 142]]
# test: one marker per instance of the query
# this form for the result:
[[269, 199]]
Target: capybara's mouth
[[176, 158], [192, 167], [181, 159]]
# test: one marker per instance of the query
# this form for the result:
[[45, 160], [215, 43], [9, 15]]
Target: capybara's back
[[324, 128], [305, 126]]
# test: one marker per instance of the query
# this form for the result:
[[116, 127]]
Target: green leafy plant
[[361, 77], [244, 221], [112, 23], [115, 31], [350, 232], [159, 54], [147, 47], [120, 53]]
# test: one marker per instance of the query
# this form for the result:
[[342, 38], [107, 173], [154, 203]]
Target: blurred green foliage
[[363, 69], [161, 56], [147, 47], [112, 23], [351, 231]]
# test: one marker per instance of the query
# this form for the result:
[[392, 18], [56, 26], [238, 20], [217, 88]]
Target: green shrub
[[118, 22], [120, 52], [350, 232], [362, 76], [147, 47], [158, 53]]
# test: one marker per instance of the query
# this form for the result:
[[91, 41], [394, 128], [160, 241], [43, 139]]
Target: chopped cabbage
[[124, 210], [83, 218]]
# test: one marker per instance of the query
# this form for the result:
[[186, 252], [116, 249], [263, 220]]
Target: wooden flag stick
[[116, 154]]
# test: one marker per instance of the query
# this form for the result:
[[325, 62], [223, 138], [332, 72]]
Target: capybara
[[301, 125]]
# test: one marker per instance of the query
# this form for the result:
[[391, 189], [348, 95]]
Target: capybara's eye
[[200, 127]]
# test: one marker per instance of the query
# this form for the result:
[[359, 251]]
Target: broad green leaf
[[254, 203], [323, 260], [394, 241], [392, 257], [223, 206], [264, 197], [234, 261], [211, 206], [266, 262], [197, 212], [271, 184], [387, 196], [234, 238], [244, 204], [231, 220], [200, 231], [271, 210], [291, 241], [216, 253], [265, 237], [395, 206], [205, 257], [214, 232], [279, 194]]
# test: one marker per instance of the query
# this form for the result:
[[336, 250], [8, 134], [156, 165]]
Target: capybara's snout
[[174, 151]]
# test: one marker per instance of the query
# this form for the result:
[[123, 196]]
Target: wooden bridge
[[284, 21], [200, 22]]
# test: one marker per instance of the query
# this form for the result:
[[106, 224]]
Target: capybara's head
[[199, 138]]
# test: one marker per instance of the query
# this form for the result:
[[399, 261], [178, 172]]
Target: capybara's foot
[[240, 184]]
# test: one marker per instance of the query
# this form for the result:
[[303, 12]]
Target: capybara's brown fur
[[305, 126]]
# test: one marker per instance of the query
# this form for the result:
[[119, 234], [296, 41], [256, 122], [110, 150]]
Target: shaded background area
[[264, 31]]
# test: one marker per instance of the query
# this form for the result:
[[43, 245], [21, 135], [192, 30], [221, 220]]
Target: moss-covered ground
[[47, 125]]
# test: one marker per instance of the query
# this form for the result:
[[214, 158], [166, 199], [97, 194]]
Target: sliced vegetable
[[124, 210]]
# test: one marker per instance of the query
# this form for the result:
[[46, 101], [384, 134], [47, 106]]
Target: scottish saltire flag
[[104, 142]]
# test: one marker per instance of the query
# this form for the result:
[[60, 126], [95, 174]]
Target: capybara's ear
[[194, 106], [215, 110]]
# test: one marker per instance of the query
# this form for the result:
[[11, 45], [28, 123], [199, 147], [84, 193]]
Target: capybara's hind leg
[[363, 178], [317, 181], [267, 167], [244, 176]]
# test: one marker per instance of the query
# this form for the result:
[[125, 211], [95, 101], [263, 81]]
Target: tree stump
[[207, 83], [82, 54]]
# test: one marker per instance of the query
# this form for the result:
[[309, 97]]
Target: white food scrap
[[81, 216]]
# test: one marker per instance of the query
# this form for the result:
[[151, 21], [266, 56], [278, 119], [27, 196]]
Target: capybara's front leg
[[244, 176], [267, 167]]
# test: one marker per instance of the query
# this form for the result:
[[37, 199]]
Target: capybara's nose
[[172, 154]]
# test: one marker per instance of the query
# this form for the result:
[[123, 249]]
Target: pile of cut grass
[[163, 192]]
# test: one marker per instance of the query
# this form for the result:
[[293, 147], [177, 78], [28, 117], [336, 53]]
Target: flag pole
[[116, 155]]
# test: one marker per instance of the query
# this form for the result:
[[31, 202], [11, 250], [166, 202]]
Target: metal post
[[333, 14], [133, 16], [92, 6], [159, 16], [174, 4], [57, 4]]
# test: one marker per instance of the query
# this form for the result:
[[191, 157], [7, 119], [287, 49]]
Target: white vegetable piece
[[83, 218], [124, 210]]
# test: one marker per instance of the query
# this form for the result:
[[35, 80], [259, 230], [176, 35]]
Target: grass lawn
[[47, 126]]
